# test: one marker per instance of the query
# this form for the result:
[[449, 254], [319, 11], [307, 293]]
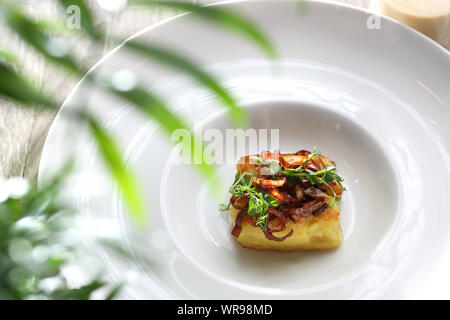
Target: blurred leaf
[[148, 103], [54, 26], [35, 245], [125, 179], [222, 16], [34, 34], [44, 199], [8, 57], [175, 60], [302, 6], [115, 246], [15, 87], [60, 176], [156, 109], [87, 20], [114, 291], [82, 293]]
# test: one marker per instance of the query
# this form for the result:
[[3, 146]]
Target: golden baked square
[[286, 202]]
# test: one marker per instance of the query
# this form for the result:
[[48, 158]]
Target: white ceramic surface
[[375, 101]]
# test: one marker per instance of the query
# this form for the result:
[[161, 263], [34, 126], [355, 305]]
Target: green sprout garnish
[[312, 155], [223, 207], [259, 202], [315, 178]]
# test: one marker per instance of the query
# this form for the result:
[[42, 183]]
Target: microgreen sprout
[[259, 202], [320, 177], [310, 156], [223, 207]]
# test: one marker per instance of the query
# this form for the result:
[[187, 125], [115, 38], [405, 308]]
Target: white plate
[[375, 101]]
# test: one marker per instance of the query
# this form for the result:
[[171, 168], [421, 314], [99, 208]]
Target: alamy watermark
[[214, 146], [373, 22], [73, 21]]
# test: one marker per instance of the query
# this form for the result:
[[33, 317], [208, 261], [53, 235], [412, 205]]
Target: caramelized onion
[[303, 153], [316, 193], [293, 160], [280, 196], [251, 165], [269, 235], [253, 221], [320, 209], [238, 223], [298, 192], [311, 166], [318, 162], [270, 183], [276, 194], [335, 186], [314, 209], [239, 203], [274, 214]]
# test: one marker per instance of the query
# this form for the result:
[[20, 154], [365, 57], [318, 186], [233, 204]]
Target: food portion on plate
[[286, 202]]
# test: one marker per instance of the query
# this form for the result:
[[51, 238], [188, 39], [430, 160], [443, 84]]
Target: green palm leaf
[[123, 176], [155, 108], [177, 61], [8, 57], [33, 33], [15, 87], [221, 16]]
